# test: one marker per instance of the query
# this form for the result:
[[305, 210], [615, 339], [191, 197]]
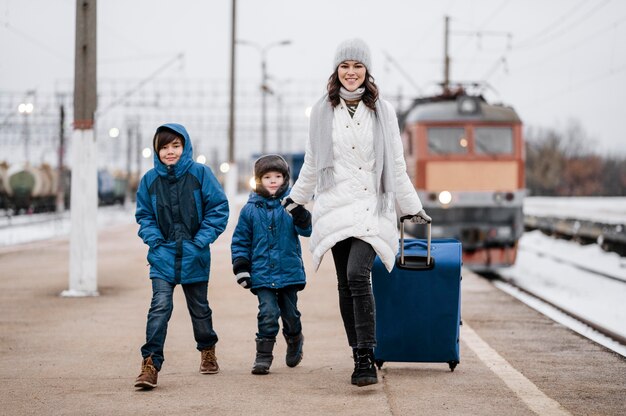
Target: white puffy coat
[[349, 209]]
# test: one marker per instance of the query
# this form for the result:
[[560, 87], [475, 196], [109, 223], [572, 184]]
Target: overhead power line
[[581, 84], [143, 82], [35, 41], [537, 40]]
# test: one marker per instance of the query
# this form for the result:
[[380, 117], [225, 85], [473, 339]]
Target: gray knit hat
[[353, 50]]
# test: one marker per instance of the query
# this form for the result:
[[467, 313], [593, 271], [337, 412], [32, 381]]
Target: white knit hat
[[353, 50]]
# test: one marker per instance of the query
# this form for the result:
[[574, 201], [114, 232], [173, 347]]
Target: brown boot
[[148, 377], [208, 362]]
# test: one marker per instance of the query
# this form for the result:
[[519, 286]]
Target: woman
[[354, 165]]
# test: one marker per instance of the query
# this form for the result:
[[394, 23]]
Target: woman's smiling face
[[351, 74]]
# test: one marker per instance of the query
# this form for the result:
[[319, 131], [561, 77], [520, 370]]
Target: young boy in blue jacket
[[181, 210], [267, 259]]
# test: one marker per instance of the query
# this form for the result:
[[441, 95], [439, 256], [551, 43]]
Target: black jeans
[[353, 262]]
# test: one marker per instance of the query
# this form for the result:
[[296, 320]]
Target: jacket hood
[[186, 159]]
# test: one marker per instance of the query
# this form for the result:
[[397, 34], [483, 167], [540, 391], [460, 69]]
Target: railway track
[[584, 326], [609, 236], [572, 289], [578, 264]]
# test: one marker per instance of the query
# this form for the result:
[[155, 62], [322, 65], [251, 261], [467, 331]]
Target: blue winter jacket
[[267, 238], [181, 209]]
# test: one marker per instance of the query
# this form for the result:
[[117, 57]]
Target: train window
[[447, 140], [493, 140]]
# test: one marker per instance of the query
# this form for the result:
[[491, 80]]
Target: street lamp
[[264, 87], [26, 109]]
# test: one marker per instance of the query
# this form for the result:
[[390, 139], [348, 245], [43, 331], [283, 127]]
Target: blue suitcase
[[418, 304]]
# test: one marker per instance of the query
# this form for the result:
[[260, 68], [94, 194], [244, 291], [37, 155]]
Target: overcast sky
[[552, 60]]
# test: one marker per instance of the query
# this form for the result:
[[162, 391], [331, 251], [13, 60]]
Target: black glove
[[301, 216], [421, 218], [241, 268]]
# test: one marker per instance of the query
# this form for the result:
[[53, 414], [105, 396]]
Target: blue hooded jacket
[[266, 237], [181, 210]]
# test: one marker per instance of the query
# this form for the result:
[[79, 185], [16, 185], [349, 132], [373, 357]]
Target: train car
[[4, 183], [31, 188], [27, 189], [466, 160]]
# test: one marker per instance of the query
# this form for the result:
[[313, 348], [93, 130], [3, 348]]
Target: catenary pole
[[231, 179], [83, 279], [60, 191], [446, 56]]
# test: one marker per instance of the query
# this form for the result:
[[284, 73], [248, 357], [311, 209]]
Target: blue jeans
[[354, 259], [274, 304], [161, 311]]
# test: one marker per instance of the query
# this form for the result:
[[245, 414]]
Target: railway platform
[[79, 356]]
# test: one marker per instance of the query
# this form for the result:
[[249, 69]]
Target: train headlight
[[445, 197], [468, 105], [504, 232]]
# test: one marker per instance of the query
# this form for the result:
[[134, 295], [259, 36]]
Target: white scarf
[[321, 136]]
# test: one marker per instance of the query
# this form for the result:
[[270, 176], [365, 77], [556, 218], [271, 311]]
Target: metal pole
[[84, 196], [231, 113], [26, 138], [264, 88], [138, 156], [232, 176], [446, 59], [129, 148], [60, 200], [279, 123]]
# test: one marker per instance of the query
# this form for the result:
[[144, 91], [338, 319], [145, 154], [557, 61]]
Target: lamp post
[[26, 109], [264, 87]]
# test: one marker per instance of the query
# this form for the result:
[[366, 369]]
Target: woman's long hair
[[369, 96]]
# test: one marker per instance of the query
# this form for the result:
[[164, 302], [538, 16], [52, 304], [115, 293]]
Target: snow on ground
[[548, 267], [29, 228]]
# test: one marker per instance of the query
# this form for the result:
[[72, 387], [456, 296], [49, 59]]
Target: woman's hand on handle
[[420, 218]]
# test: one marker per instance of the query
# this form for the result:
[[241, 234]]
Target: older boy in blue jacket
[[267, 258], [181, 210]]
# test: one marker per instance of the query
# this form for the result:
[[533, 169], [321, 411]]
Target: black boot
[[294, 350], [264, 357], [365, 373], [355, 356]]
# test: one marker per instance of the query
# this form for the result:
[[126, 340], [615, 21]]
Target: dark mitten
[[301, 217], [241, 268]]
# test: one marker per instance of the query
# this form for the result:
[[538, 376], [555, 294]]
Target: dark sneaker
[[148, 377], [208, 362]]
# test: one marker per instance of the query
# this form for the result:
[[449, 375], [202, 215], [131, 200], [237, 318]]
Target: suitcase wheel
[[452, 365], [379, 364]]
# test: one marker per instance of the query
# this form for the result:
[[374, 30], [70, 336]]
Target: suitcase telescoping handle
[[428, 223]]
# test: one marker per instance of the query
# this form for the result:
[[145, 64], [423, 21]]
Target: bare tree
[[566, 163]]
